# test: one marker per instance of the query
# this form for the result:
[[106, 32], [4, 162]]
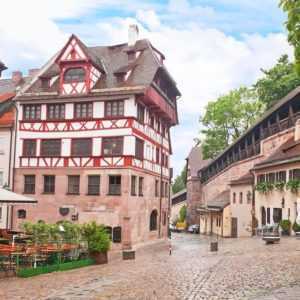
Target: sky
[[211, 46]]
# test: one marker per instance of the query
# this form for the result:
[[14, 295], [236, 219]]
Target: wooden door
[[234, 227]]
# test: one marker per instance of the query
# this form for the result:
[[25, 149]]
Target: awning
[[13, 198]]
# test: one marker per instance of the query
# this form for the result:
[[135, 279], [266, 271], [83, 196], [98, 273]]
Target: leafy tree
[[179, 182], [292, 8], [182, 213], [227, 118], [277, 81]]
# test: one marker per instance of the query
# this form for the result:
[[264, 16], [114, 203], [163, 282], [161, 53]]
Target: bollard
[[214, 246]]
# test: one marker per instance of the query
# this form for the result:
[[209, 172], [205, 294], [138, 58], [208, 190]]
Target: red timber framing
[[73, 55], [139, 130], [102, 162], [160, 106]]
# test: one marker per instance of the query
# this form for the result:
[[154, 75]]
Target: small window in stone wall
[[108, 229], [249, 197], [234, 198], [21, 214], [117, 234], [241, 198], [164, 218]]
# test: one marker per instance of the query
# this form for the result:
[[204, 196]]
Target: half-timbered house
[[94, 139]]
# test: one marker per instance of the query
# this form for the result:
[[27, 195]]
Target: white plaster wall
[[66, 147], [69, 107], [130, 107], [129, 145], [43, 111], [98, 109], [97, 142], [242, 211]]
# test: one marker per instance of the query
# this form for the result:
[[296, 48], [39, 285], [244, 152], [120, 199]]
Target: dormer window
[[74, 75]]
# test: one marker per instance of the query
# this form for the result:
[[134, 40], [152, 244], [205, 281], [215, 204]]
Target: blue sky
[[211, 46]]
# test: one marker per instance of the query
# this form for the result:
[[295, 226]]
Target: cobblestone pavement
[[242, 269]]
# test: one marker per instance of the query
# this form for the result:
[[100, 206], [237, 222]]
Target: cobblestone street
[[242, 269]]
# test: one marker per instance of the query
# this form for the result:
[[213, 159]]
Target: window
[[114, 108], [74, 75], [162, 188], [73, 184], [55, 111], [153, 220], [117, 234], [156, 188], [22, 214], [133, 185], [271, 177], [249, 197], [167, 190], [234, 198], [83, 110], [157, 155], [166, 161], [108, 229], [29, 184], [114, 185], [112, 146], [277, 215], [281, 176], [164, 218], [268, 215], [93, 185], [241, 198], [1, 179], [29, 148], [0, 212], [139, 149], [152, 121], [295, 174], [50, 147], [81, 147], [32, 112], [141, 184], [261, 178], [2, 142], [140, 113], [49, 184], [158, 125]]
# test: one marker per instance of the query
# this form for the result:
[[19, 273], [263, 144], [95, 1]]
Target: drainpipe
[[14, 160], [253, 203], [160, 194]]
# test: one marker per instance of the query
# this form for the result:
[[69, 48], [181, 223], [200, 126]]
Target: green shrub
[[279, 185], [29, 272], [293, 186], [96, 236], [296, 227], [285, 225], [264, 187], [182, 214]]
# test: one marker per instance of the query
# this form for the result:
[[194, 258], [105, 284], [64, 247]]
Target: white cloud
[[204, 61]]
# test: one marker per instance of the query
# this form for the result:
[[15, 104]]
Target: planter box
[[100, 258], [214, 246], [128, 254]]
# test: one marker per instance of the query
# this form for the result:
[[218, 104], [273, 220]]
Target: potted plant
[[293, 186], [285, 226], [98, 241]]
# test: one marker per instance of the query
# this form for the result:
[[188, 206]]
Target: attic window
[[74, 75]]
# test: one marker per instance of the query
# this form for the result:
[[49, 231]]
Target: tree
[[277, 81], [227, 118], [292, 8], [179, 182], [182, 213]]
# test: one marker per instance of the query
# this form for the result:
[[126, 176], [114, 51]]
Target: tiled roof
[[8, 86], [7, 114], [179, 197], [287, 151], [112, 60], [245, 179]]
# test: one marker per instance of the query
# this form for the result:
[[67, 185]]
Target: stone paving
[[242, 269]]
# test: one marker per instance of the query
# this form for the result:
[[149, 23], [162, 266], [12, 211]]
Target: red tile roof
[[8, 116]]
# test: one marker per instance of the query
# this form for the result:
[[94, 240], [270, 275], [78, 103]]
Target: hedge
[[29, 272]]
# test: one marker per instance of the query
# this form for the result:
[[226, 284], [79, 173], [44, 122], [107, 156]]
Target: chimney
[[17, 77], [32, 72], [133, 34]]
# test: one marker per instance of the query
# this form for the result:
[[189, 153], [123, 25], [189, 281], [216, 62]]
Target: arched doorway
[[153, 220]]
